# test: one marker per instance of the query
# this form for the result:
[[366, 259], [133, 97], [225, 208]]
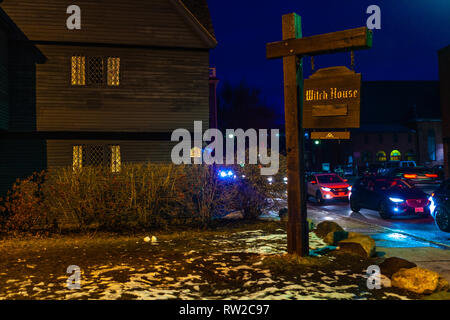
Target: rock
[[333, 238], [443, 285], [417, 280], [392, 265], [361, 245], [325, 227], [236, 215], [385, 281]]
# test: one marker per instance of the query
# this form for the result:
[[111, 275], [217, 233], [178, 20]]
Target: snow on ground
[[227, 266]]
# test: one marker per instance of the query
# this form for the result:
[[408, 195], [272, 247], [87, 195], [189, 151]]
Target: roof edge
[[206, 36]]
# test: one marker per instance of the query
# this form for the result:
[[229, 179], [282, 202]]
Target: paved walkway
[[390, 243]]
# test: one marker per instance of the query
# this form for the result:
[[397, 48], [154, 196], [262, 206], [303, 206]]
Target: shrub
[[141, 196], [22, 207]]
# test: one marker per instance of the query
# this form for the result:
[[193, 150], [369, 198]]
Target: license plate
[[342, 193], [419, 209]]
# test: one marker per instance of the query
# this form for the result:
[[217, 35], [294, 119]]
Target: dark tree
[[242, 107]]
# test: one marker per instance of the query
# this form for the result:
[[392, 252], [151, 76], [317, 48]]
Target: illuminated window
[[381, 156], [95, 71], [396, 155], [77, 159], [196, 152], [113, 71], [78, 71], [115, 159]]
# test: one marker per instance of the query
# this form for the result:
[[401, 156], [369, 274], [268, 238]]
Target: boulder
[[391, 265], [417, 280], [325, 227], [385, 281], [361, 245], [443, 285], [333, 238], [236, 215]]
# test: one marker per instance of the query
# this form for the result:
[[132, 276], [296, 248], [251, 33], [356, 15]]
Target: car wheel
[[353, 205], [442, 218], [384, 211], [319, 198]]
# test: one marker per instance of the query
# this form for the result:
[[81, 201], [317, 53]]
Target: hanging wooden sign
[[332, 98]]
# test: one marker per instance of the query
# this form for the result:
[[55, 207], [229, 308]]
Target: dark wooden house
[[109, 93]]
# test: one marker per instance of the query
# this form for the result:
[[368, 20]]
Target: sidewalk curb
[[442, 245]]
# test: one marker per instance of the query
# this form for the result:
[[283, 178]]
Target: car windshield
[[415, 170], [384, 184], [329, 178], [399, 184]]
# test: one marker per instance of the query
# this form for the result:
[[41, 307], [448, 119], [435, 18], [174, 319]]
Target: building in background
[[444, 75], [400, 120], [110, 93]]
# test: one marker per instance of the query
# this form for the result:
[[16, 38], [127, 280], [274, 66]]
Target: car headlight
[[326, 189], [349, 188], [396, 200], [431, 204]]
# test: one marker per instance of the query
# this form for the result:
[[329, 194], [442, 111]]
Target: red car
[[327, 186]]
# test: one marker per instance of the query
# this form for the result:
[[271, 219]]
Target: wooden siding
[[59, 152], [4, 103], [160, 90], [134, 22]]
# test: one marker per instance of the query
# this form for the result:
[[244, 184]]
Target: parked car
[[440, 206], [439, 169], [390, 165], [421, 177], [389, 196], [346, 170], [327, 186], [369, 170]]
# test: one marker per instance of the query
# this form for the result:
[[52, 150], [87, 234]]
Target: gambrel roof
[[163, 23]]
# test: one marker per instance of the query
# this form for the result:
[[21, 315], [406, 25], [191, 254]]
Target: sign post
[[292, 49], [298, 240]]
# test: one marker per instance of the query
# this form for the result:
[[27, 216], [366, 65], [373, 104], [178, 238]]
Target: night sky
[[404, 49]]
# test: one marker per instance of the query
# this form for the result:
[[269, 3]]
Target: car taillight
[[410, 176], [431, 175]]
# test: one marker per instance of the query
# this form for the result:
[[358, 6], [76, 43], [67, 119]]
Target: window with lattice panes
[[95, 71], [116, 161], [77, 158], [113, 71], [78, 73], [95, 156]]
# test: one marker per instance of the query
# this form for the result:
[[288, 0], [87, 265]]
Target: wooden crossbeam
[[347, 40]]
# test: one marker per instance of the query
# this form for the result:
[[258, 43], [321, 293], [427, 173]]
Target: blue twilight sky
[[404, 49]]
